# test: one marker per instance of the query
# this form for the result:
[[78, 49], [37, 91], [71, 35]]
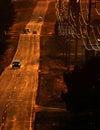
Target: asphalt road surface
[[18, 87]]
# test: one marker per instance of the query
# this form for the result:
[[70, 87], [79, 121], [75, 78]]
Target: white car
[[40, 18], [27, 30]]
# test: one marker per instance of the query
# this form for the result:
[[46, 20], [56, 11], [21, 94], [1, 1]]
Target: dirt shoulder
[[51, 63]]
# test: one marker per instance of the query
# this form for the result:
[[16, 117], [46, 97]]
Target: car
[[16, 64], [34, 32], [27, 30], [40, 18]]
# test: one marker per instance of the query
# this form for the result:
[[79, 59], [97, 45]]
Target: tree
[[6, 17], [83, 87]]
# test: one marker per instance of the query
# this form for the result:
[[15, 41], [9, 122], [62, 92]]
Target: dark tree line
[[83, 96], [6, 17], [83, 87]]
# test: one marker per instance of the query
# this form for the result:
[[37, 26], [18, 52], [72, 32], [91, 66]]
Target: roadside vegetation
[[77, 91], [7, 15], [51, 63]]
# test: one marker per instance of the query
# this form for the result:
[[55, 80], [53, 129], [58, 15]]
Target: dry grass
[[51, 63]]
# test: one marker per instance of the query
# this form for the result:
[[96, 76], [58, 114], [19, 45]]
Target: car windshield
[[27, 29], [34, 32], [16, 62]]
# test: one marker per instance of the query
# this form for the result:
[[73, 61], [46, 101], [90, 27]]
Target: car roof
[[27, 28], [16, 61], [40, 17], [35, 32]]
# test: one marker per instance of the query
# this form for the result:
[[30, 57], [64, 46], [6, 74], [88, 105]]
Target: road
[[18, 87]]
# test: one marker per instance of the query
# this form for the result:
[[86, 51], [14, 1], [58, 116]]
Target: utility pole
[[74, 7], [59, 6], [89, 16], [88, 26], [77, 28]]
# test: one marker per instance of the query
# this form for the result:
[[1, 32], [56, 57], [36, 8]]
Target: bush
[[6, 17], [83, 87]]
